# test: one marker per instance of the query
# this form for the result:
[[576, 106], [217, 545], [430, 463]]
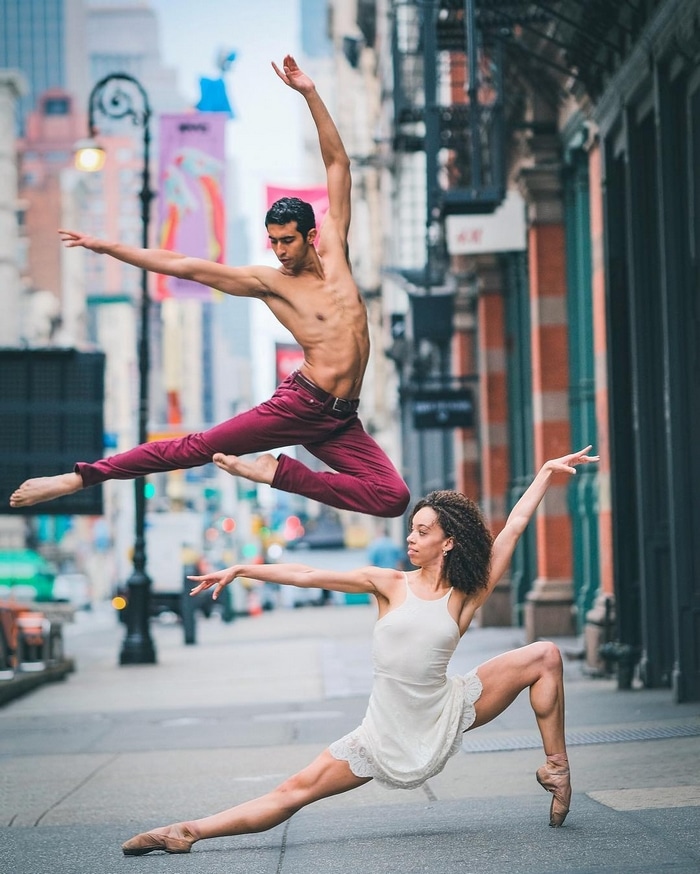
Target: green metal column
[[520, 419], [583, 489]]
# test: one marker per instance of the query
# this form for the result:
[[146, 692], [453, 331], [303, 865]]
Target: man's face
[[288, 244]]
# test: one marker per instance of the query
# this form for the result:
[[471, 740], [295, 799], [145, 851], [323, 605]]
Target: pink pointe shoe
[[554, 777], [147, 842]]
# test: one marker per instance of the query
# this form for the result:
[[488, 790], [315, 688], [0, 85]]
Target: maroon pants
[[364, 479]]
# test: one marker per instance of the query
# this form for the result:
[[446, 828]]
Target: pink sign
[[191, 194], [289, 357]]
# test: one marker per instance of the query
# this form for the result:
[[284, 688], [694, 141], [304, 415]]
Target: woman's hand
[[218, 579], [566, 464]]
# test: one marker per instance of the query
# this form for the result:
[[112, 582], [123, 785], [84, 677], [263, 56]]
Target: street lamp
[[119, 96]]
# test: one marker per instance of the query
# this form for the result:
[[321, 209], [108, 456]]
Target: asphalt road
[[111, 751]]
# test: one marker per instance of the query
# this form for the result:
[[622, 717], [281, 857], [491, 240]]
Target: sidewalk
[[89, 761]]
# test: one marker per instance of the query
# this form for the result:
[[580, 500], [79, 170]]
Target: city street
[[87, 762]]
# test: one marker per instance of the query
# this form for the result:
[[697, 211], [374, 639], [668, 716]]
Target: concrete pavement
[[110, 751]]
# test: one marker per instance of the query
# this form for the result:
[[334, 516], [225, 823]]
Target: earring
[[444, 553]]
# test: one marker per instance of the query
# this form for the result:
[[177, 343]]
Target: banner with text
[[504, 230], [191, 195]]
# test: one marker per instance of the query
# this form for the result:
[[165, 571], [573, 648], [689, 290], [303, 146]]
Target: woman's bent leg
[[324, 777], [539, 668]]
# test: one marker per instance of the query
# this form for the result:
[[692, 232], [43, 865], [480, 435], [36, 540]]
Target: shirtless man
[[315, 297]]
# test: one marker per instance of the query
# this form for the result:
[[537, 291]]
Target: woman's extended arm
[[505, 543], [300, 575]]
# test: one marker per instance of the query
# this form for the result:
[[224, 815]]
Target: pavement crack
[[80, 785], [283, 847]]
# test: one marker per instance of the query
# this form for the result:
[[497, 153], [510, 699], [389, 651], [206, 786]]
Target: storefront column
[[600, 619], [493, 422], [549, 604], [464, 364]]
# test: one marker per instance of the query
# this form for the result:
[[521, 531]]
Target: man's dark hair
[[292, 209], [467, 564]]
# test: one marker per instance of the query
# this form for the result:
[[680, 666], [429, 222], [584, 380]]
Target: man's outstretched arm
[[242, 281], [335, 158]]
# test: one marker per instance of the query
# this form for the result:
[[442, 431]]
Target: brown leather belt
[[338, 407]]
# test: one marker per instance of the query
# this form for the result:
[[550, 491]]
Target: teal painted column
[[583, 488], [523, 567]]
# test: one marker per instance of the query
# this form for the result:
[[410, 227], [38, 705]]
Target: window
[[57, 106]]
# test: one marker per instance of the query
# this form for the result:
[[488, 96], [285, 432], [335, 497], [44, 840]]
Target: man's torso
[[328, 318]]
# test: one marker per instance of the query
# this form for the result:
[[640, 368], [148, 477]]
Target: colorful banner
[[191, 194], [288, 358], [316, 195]]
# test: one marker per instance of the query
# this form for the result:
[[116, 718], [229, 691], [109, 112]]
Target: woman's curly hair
[[467, 564]]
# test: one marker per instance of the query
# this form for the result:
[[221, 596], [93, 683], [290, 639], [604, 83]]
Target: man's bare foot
[[261, 470], [45, 488]]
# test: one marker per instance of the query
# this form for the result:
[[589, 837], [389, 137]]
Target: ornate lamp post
[[119, 96]]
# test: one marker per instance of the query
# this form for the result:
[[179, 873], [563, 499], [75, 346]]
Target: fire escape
[[461, 70], [448, 139]]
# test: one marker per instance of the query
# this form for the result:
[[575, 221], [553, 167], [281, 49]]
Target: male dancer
[[315, 297]]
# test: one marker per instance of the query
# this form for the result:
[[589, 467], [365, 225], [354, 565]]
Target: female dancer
[[416, 714]]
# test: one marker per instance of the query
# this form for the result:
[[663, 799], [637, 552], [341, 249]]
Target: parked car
[[25, 571]]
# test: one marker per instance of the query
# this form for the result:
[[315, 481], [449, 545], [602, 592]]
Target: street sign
[[443, 408]]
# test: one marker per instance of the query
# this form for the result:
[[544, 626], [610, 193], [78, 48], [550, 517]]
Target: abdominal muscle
[[335, 355], [330, 324], [333, 377]]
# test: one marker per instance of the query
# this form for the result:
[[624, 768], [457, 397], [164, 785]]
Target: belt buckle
[[340, 405]]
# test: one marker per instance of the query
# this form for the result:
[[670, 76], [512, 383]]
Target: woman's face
[[426, 540]]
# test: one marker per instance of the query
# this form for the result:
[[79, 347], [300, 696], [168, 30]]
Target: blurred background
[[524, 236]]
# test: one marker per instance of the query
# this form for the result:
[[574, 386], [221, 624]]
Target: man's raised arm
[[335, 158]]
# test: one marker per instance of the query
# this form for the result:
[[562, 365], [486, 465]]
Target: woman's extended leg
[[539, 668], [325, 776]]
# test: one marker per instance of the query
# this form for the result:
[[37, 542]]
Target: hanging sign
[[501, 231], [443, 408]]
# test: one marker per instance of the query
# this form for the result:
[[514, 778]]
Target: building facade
[[44, 40], [588, 333]]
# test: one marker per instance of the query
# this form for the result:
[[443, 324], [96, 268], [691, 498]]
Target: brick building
[[586, 333]]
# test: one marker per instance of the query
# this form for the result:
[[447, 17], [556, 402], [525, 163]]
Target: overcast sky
[[259, 31], [265, 137]]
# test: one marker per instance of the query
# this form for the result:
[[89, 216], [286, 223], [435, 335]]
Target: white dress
[[416, 714]]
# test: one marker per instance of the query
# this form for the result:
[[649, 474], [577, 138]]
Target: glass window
[[57, 106]]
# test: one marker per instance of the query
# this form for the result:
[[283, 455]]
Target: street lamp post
[[119, 96]]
